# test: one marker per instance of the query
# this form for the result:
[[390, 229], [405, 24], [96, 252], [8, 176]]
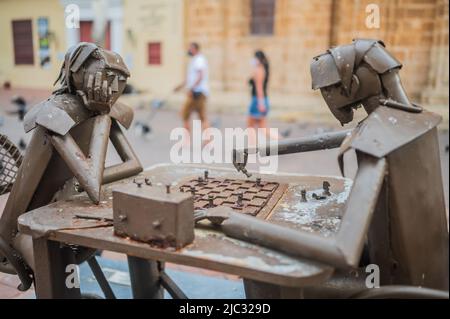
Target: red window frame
[[154, 52]]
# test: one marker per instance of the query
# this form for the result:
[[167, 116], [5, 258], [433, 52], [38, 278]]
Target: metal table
[[266, 273]]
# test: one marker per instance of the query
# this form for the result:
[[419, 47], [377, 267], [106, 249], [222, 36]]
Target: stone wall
[[415, 31]]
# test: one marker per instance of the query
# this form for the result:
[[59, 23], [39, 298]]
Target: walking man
[[197, 87]]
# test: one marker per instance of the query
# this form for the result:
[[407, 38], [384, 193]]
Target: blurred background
[[153, 36]]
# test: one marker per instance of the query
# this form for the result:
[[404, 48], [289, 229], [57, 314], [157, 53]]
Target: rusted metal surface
[[122, 113], [361, 73], [66, 103], [289, 146], [252, 197], [322, 216], [50, 270], [88, 169], [153, 214], [323, 220], [10, 161], [145, 278], [211, 248], [390, 144], [130, 165], [96, 75], [342, 250], [417, 235], [70, 138], [387, 129]]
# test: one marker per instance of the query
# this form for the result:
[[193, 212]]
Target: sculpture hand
[[99, 94]]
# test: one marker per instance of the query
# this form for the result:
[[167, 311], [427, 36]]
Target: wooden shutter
[[262, 17], [154, 53], [23, 41]]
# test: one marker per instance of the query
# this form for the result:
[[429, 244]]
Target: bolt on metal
[[318, 197], [240, 197], [156, 224], [258, 181], [303, 193], [210, 200], [78, 187], [326, 188], [138, 182]]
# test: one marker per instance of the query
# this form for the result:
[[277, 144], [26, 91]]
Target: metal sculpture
[[68, 148], [10, 161], [396, 208]]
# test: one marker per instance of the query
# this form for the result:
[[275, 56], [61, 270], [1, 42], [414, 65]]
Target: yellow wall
[[154, 21], [31, 76], [144, 21]]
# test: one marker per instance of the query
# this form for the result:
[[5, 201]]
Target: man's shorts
[[195, 103]]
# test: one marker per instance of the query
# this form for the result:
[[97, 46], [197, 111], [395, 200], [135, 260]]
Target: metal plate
[[78, 221], [10, 160], [257, 197]]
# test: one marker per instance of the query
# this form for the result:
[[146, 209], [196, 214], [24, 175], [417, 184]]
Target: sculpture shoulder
[[122, 113], [387, 129], [59, 113]]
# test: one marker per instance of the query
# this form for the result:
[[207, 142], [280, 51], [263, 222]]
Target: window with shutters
[[23, 42], [262, 17], [86, 33], [154, 53]]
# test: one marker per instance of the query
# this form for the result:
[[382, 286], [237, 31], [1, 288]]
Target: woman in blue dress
[[259, 105]]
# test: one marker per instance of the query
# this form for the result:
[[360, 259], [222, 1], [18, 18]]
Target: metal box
[[154, 215]]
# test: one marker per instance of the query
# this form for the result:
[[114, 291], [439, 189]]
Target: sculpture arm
[[342, 250], [130, 166]]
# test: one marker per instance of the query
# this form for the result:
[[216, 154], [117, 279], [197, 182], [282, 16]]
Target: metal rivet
[[240, 196], [210, 200], [303, 193], [138, 182], [326, 188], [156, 224], [318, 197]]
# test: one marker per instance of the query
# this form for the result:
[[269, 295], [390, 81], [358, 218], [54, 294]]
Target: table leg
[[51, 271], [261, 290], [145, 278]]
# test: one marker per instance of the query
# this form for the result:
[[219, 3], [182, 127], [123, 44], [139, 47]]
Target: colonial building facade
[[152, 37]]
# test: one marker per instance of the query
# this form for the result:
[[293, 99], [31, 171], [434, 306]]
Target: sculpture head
[[360, 73], [97, 75]]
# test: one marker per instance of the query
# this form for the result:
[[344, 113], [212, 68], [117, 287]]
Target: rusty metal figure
[[10, 161], [68, 148], [396, 207]]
